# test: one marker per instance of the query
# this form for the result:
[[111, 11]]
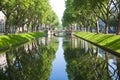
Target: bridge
[[67, 32]]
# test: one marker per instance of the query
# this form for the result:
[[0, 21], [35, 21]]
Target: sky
[[58, 6]]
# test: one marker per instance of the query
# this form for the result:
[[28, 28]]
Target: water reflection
[[88, 62], [59, 64], [75, 59], [29, 62]]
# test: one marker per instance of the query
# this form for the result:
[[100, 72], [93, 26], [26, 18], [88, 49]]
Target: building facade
[[2, 22]]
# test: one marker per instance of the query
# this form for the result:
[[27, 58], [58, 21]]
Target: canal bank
[[7, 41], [109, 42]]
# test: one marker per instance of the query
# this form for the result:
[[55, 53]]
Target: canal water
[[58, 58]]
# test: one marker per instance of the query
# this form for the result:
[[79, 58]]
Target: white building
[[2, 22]]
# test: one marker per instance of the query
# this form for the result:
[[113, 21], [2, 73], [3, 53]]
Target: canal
[[58, 58]]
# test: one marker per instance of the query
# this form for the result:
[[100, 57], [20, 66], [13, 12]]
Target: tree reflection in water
[[87, 64], [29, 62]]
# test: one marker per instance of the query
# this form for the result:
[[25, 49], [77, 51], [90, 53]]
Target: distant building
[[2, 22], [102, 26], [111, 29]]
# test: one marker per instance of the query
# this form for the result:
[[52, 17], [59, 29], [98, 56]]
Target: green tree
[[116, 13], [85, 9], [68, 17], [85, 64], [7, 7], [29, 13]]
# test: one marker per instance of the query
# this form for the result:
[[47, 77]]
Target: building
[[2, 22]]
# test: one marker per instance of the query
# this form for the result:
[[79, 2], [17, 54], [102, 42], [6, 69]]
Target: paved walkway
[[1, 34]]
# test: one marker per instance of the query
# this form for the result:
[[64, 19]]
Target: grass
[[107, 40], [9, 40]]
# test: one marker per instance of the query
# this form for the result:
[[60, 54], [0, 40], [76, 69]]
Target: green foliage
[[40, 68], [9, 40], [84, 62], [68, 16], [31, 64], [107, 40], [87, 66], [23, 12], [52, 19], [88, 12]]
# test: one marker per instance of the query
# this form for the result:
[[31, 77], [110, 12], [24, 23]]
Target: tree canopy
[[87, 13], [32, 13]]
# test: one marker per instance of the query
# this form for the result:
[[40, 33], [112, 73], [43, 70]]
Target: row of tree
[[32, 13], [88, 13]]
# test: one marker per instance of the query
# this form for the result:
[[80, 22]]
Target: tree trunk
[[6, 27], [23, 28], [118, 22], [32, 27], [9, 67], [80, 28], [91, 29], [118, 25], [97, 27], [27, 27], [16, 27], [106, 27], [37, 28], [118, 66], [106, 63], [84, 28], [88, 27], [118, 28]]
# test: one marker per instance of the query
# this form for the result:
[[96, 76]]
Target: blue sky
[[58, 6]]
